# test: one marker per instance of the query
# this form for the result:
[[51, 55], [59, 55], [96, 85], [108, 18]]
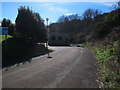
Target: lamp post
[[47, 36], [47, 33]]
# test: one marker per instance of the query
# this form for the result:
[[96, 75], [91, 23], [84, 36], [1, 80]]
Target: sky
[[53, 10]]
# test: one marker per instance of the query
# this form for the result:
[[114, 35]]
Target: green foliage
[[108, 55], [86, 45], [109, 65], [30, 26], [2, 37]]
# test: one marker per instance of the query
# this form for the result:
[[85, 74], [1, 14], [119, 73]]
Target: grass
[[2, 37], [109, 63]]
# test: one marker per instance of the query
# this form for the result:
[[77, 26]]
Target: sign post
[[5, 43]]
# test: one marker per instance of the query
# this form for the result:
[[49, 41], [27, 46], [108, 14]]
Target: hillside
[[102, 35], [86, 29]]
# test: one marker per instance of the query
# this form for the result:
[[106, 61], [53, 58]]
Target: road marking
[[62, 75]]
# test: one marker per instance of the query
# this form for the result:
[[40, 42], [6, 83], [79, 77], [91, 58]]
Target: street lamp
[[47, 36], [47, 20], [47, 33]]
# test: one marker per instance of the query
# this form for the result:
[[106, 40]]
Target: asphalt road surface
[[69, 67]]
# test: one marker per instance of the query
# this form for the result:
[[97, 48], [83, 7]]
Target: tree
[[74, 17], [68, 18], [101, 30], [88, 14], [7, 23], [119, 4], [30, 26], [116, 5], [96, 12], [91, 13], [63, 19]]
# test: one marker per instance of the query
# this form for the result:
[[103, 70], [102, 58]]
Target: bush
[[100, 30]]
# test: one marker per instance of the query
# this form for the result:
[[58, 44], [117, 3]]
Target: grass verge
[[109, 63], [2, 37]]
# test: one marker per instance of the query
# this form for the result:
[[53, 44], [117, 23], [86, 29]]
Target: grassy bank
[[108, 58], [2, 37]]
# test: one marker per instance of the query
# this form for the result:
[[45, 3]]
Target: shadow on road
[[18, 51]]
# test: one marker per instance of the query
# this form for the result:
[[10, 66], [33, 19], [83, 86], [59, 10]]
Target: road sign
[[3, 30]]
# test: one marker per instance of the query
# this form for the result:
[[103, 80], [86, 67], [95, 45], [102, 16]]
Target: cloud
[[46, 4], [69, 14], [62, 10], [107, 4], [66, 10], [57, 9], [13, 22], [51, 8]]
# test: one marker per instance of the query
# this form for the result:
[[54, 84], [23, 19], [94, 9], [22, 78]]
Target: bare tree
[[96, 12], [116, 5], [63, 19], [91, 13], [73, 16], [88, 13]]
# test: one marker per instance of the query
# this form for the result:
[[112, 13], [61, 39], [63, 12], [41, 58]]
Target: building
[[58, 38]]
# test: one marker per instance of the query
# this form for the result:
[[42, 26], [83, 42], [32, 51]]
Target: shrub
[[100, 30]]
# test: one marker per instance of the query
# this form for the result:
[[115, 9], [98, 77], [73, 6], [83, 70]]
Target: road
[[69, 67]]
